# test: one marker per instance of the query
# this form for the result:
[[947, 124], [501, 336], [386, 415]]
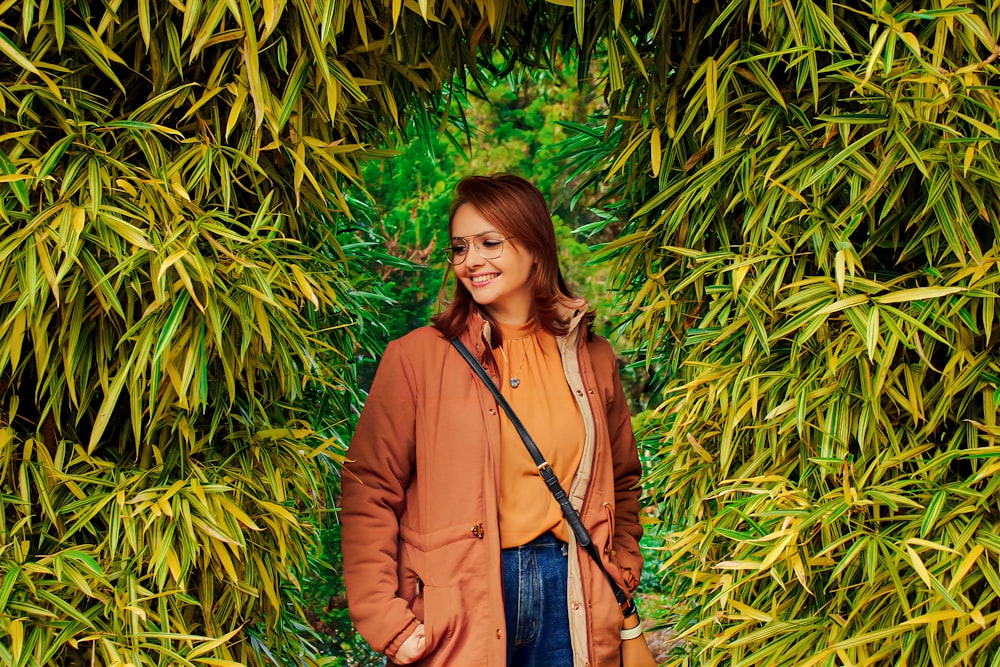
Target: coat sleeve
[[374, 479], [627, 471]]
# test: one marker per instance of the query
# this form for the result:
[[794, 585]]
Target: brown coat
[[420, 524]]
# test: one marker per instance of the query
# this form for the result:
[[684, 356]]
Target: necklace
[[514, 379]]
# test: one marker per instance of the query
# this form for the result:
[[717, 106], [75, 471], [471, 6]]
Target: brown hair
[[517, 209]]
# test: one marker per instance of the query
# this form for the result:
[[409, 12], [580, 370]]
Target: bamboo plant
[[182, 293], [807, 196]]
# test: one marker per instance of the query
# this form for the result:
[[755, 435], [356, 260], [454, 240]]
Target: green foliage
[[180, 300], [810, 253], [184, 283], [800, 206]]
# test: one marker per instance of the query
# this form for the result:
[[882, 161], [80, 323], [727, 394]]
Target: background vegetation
[[811, 256], [797, 203], [182, 291]]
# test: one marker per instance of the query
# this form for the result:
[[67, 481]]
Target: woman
[[455, 552]]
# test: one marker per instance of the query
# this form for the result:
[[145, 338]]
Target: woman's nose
[[473, 258]]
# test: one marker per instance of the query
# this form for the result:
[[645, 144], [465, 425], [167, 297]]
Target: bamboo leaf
[[145, 24], [933, 512], [209, 646], [579, 18], [11, 51], [99, 54], [917, 294], [966, 566], [107, 407]]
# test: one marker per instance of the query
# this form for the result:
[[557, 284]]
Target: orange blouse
[[529, 358]]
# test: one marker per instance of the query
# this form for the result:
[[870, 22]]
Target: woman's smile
[[483, 278]]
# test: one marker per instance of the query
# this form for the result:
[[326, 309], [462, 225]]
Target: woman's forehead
[[468, 221]]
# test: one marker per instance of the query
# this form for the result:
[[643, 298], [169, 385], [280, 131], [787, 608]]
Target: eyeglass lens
[[489, 246]]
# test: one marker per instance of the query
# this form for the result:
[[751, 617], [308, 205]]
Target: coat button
[[499, 635], [492, 411], [576, 606], [579, 392]]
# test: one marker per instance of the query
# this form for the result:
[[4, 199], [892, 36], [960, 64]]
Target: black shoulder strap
[[545, 470]]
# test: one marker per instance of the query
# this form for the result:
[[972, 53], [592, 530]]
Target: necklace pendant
[[514, 382]]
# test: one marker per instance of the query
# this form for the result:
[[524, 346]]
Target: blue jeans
[[534, 599]]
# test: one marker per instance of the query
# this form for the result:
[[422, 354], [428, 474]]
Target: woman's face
[[500, 285]]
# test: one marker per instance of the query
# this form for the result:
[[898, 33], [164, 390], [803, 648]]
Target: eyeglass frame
[[448, 251]]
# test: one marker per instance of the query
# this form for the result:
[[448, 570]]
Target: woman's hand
[[413, 648]]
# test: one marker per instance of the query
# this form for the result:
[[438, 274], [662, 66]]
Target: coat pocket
[[415, 598], [609, 545], [410, 576], [622, 575], [441, 611]]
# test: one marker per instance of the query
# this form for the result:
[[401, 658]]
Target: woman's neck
[[511, 315]]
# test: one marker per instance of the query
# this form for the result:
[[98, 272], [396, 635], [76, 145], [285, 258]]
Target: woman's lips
[[483, 279]]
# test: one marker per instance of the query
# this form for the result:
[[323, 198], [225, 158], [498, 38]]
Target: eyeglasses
[[489, 245]]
